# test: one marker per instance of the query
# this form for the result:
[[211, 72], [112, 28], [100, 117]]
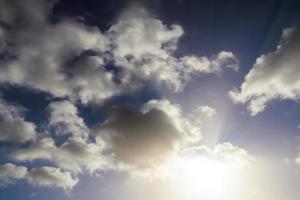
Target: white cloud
[[206, 110], [13, 126], [64, 118], [42, 148], [194, 64], [43, 176], [138, 34], [10, 173], [225, 152], [273, 76], [73, 155], [68, 59], [51, 177], [52, 57], [144, 46], [76, 154], [40, 53]]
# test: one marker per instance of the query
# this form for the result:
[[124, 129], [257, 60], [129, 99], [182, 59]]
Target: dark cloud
[[143, 140]]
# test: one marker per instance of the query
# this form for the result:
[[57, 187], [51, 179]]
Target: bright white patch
[[205, 178]]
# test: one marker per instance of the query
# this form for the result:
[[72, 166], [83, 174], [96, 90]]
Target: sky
[[149, 99]]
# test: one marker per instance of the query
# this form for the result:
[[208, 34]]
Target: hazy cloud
[[225, 152], [206, 110]]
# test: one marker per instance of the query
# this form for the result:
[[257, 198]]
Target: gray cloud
[[273, 76], [190, 131], [141, 140]]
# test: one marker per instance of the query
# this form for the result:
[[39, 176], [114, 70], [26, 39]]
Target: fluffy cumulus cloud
[[13, 126], [141, 140], [73, 155], [82, 64], [274, 75], [42, 148], [10, 173], [68, 58], [44, 176], [64, 118], [37, 53], [154, 59], [76, 154], [51, 177], [148, 137]]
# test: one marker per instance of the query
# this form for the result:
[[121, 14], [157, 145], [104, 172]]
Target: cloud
[[73, 155], [191, 131], [148, 137], [137, 139], [65, 120], [51, 177], [140, 139], [43, 176], [69, 58], [154, 60], [39, 53], [10, 173], [135, 27], [43, 148], [273, 76], [224, 152], [207, 111], [76, 154], [13, 126], [194, 64]]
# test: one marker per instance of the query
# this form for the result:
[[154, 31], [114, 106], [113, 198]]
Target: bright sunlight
[[207, 178]]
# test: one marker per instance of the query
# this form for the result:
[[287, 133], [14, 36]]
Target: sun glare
[[205, 178]]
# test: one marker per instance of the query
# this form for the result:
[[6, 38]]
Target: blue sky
[[152, 99]]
